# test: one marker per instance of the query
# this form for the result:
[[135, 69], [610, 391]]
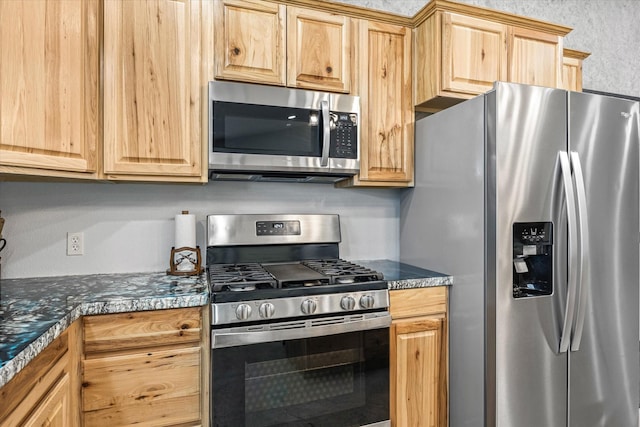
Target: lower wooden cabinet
[[419, 358], [46, 391], [145, 368]]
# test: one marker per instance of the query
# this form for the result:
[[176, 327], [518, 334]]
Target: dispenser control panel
[[532, 259]]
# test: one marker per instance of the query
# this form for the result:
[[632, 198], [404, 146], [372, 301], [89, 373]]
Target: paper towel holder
[[186, 255]]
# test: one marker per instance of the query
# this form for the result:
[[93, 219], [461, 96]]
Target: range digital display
[[278, 228]]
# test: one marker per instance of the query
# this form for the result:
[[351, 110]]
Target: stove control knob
[[243, 311], [266, 310], [308, 306], [347, 303], [367, 301]]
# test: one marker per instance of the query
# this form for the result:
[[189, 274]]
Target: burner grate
[[239, 277], [343, 272]]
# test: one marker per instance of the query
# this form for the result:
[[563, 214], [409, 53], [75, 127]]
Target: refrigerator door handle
[[583, 251], [572, 285]]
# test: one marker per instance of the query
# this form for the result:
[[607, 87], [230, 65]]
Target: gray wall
[[606, 28]]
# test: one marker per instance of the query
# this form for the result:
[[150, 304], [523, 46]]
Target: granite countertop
[[404, 276], [35, 311]]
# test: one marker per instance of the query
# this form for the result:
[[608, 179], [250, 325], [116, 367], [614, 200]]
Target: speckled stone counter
[[35, 311], [404, 276]]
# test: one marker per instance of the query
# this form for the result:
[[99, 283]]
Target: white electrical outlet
[[75, 243]]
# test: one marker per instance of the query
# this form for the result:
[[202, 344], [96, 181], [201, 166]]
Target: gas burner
[[242, 288]]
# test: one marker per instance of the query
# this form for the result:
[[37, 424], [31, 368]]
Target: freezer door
[[603, 131], [526, 374]]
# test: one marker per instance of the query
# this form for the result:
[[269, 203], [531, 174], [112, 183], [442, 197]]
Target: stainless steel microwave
[[268, 133]]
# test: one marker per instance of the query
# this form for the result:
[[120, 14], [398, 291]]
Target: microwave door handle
[[326, 133]]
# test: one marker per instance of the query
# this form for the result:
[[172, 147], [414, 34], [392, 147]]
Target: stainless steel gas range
[[299, 336]]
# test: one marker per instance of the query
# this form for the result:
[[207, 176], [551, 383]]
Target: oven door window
[[332, 381], [260, 129]]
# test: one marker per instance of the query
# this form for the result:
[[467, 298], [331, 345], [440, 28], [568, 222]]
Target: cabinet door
[[319, 50], [152, 88], [474, 54], [572, 69], [49, 81], [418, 372], [386, 125], [250, 41], [535, 58], [54, 411]]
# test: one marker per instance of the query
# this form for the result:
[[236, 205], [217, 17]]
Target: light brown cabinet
[[154, 74], [145, 367], [270, 43], [461, 50], [456, 57], [535, 58], [49, 81], [385, 90], [419, 357], [572, 69], [250, 41], [319, 50], [45, 393]]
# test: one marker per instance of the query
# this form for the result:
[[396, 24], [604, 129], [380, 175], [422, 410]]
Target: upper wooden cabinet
[[319, 50], [154, 75], [250, 41], [264, 42], [384, 86], [535, 58], [49, 81], [461, 50], [572, 69], [474, 54]]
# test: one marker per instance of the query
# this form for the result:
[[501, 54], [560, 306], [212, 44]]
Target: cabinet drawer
[[156, 385], [418, 302], [111, 332]]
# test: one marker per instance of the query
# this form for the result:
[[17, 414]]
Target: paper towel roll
[[185, 230]]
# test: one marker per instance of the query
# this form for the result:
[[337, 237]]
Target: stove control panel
[[277, 228], [300, 306]]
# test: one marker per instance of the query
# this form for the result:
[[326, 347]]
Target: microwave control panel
[[344, 136]]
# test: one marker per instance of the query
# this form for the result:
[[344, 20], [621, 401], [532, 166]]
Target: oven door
[[273, 375]]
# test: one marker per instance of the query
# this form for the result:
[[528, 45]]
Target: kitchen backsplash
[[130, 227]]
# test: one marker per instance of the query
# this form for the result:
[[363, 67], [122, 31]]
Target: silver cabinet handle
[[326, 132], [572, 285], [583, 251]]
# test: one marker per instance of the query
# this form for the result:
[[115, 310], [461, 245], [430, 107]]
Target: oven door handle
[[310, 328]]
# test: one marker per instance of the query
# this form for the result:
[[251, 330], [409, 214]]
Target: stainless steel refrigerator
[[528, 196]]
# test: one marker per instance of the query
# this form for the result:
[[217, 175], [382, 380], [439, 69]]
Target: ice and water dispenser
[[532, 259]]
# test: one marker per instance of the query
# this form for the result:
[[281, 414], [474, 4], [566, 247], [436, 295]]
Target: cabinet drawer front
[[418, 302], [137, 388], [120, 331]]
